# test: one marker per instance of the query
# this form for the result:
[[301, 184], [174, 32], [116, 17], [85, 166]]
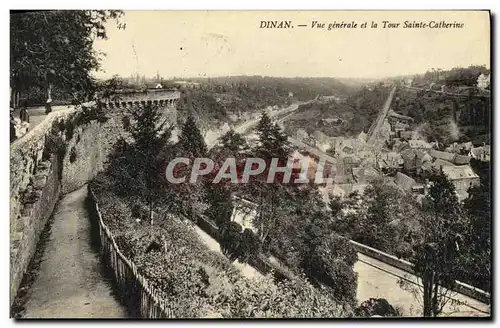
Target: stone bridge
[[162, 98]]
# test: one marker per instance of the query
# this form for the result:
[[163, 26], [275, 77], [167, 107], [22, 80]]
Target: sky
[[222, 43]]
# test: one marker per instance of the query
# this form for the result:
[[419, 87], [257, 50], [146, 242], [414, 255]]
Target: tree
[[230, 240], [191, 140], [477, 269], [376, 306], [273, 143], [219, 195], [136, 167], [220, 204], [329, 259], [54, 49], [233, 142], [273, 198], [249, 246], [436, 256]]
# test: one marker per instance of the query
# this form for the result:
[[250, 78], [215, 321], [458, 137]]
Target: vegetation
[[477, 266], [383, 217], [291, 220], [445, 240], [191, 140], [376, 307], [137, 168], [356, 113], [202, 283], [448, 118], [54, 50], [216, 100], [133, 191]]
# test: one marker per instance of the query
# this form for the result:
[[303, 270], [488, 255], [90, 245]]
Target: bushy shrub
[[376, 306], [230, 240], [196, 282], [72, 155]]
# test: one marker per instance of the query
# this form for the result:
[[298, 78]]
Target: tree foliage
[[190, 139], [436, 256], [376, 306], [55, 48]]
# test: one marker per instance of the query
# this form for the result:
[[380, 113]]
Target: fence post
[[133, 288]]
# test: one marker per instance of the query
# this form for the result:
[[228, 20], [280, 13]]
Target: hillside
[[340, 118], [227, 99]]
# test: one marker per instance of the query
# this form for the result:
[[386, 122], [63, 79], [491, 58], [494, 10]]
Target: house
[[364, 175], [302, 134], [419, 144], [442, 155], [461, 159], [408, 135], [413, 160], [307, 164], [419, 188], [403, 181], [350, 188], [344, 168], [396, 117], [391, 160], [483, 81], [450, 157], [362, 136], [244, 212], [398, 127], [440, 163], [462, 177], [460, 148], [481, 153]]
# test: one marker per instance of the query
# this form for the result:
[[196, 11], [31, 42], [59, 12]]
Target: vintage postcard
[[250, 164]]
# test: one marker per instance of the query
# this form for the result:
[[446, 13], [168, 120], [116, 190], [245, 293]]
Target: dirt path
[[70, 283]]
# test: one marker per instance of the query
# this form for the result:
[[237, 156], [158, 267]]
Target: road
[[380, 118], [243, 128], [379, 280], [70, 281]]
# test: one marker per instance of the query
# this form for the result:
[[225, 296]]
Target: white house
[[483, 81]]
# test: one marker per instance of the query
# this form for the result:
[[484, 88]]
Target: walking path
[[37, 114], [70, 282]]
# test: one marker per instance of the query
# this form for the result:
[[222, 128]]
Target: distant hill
[[214, 100]]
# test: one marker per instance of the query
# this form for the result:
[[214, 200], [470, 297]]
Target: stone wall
[[25, 154], [38, 199], [36, 185], [406, 266]]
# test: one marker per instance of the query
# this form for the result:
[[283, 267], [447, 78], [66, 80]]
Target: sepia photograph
[[272, 164]]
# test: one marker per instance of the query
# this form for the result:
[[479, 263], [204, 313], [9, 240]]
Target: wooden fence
[[132, 288]]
